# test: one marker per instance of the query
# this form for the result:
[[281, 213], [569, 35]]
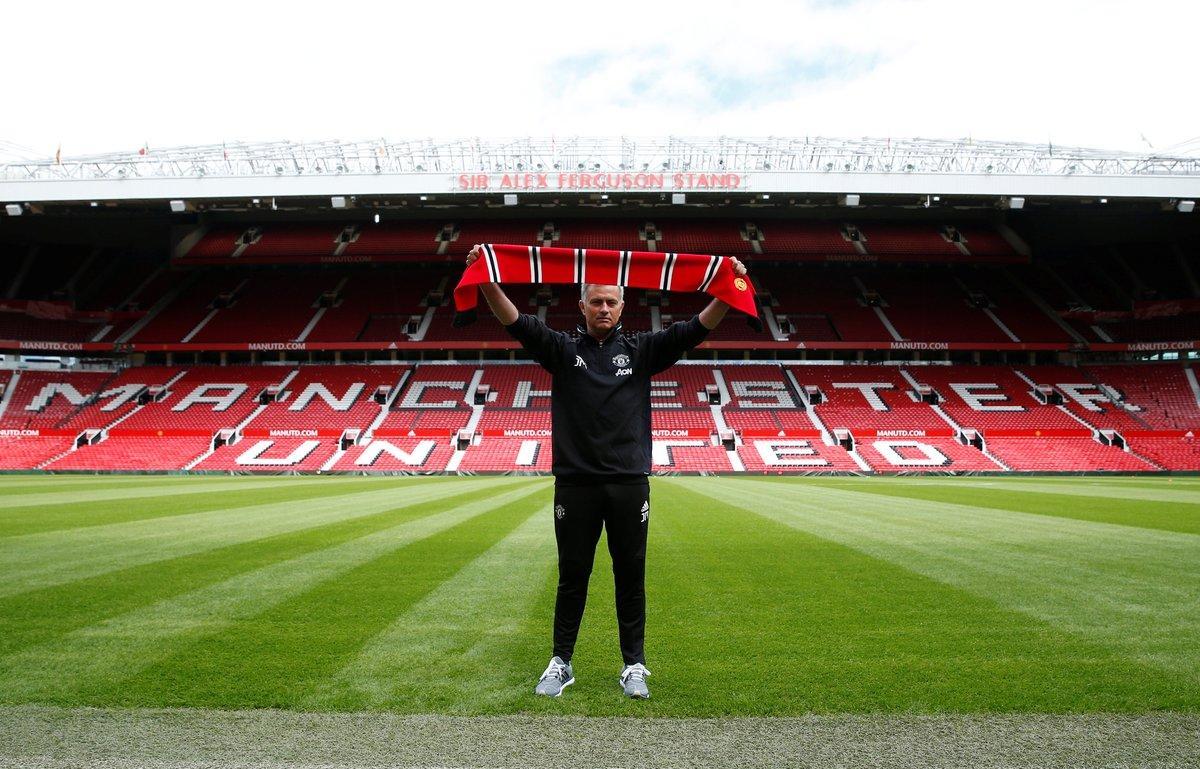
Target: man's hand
[[472, 255], [712, 315], [502, 307]]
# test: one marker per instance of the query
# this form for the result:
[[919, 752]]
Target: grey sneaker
[[633, 681], [558, 676]]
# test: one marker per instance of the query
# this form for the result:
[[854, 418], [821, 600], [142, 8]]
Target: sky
[[117, 76]]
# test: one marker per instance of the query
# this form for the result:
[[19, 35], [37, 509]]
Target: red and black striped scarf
[[499, 263]]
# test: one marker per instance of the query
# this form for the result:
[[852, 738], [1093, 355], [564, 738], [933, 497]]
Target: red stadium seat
[[893, 430]]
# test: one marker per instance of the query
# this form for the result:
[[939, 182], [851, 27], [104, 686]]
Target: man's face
[[601, 309]]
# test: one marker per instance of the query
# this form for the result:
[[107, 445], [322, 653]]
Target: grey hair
[[583, 289]]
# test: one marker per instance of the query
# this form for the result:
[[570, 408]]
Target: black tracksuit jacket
[[600, 397]]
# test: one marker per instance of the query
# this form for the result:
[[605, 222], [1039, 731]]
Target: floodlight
[[678, 198], [14, 209], [510, 199], [338, 201], [1016, 204], [1186, 206], [178, 206], [849, 200]]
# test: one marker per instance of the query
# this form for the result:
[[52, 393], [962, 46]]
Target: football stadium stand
[[826, 284], [889, 346], [707, 417]]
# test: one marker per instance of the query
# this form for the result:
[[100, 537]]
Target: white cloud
[[111, 76]]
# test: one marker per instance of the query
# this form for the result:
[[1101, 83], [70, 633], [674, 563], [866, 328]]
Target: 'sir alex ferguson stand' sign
[[577, 181]]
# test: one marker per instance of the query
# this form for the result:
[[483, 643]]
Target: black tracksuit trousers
[[580, 511]]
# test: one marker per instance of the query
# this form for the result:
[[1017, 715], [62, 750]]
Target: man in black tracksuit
[[600, 417]]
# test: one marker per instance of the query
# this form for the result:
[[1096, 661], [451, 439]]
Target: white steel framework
[[798, 155]]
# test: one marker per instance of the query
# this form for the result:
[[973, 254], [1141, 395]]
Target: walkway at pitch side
[[34, 736]]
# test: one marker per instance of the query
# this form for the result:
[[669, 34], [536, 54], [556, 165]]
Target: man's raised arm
[[540, 341], [712, 315], [502, 307]]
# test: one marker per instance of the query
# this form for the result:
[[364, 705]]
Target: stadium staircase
[[728, 437], [10, 389], [960, 435], [234, 435], [18, 279], [157, 309], [1102, 410], [871, 300], [354, 437], [320, 309], [151, 277], [430, 310]]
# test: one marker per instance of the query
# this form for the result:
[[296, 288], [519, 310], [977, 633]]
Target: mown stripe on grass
[[277, 657], [39, 560], [747, 616], [101, 657], [70, 480], [61, 484], [1168, 516], [38, 616], [53, 480], [35, 519], [1151, 481], [518, 658], [443, 654], [1136, 591], [160, 487], [1080, 487]]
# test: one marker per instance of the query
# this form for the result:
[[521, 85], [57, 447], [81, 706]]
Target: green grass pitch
[[351, 622], [767, 596]]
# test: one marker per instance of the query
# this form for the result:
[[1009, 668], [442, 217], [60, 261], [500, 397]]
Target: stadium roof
[[540, 166]]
